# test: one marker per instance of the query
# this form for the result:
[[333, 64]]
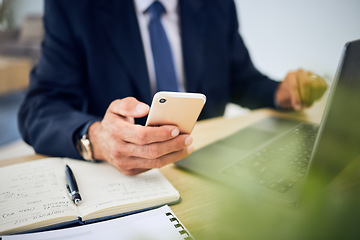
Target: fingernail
[[175, 132], [190, 149], [188, 140], [141, 108]]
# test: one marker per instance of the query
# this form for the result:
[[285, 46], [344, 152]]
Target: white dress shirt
[[170, 21]]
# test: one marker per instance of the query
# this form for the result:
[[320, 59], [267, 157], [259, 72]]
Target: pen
[[72, 186]]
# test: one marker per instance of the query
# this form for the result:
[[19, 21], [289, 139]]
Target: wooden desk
[[196, 210]]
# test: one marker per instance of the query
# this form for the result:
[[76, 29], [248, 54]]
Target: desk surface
[[195, 210]]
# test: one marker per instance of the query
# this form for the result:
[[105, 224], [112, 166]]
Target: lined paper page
[[104, 187], [150, 225], [32, 192]]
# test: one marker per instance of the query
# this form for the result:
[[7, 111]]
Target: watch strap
[[84, 129]]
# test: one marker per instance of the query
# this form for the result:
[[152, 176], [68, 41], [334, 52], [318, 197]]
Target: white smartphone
[[176, 108]]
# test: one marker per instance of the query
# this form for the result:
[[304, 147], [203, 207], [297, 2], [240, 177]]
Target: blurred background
[[21, 32], [281, 35]]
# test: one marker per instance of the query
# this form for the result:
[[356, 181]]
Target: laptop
[[275, 156]]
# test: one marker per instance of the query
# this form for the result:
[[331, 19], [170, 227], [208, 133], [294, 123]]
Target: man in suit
[[99, 69]]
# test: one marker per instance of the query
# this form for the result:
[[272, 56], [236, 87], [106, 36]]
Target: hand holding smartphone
[[176, 108]]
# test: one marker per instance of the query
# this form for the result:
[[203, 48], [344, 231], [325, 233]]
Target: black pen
[[72, 186]]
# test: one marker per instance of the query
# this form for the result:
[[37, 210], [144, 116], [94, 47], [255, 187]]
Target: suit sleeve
[[53, 108], [256, 90]]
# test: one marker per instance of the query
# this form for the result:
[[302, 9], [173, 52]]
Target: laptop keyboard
[[282, 163]]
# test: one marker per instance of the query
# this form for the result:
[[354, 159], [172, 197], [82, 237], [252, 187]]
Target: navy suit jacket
[[92, 54]]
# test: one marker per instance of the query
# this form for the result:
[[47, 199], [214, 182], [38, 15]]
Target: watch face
[[84, 148]]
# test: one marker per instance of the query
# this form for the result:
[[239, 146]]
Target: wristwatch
[[83, 144]]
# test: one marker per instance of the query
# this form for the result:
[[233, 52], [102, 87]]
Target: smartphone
[[176, 108]]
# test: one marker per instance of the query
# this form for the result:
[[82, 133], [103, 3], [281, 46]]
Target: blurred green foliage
[[321, 214]]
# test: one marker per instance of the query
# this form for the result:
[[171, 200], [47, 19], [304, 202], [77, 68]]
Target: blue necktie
[[163, 60]]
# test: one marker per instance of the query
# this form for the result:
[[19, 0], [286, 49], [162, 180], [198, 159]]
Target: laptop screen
[[338, 141]]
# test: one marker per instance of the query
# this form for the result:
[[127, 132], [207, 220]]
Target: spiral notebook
[[160, 223]]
